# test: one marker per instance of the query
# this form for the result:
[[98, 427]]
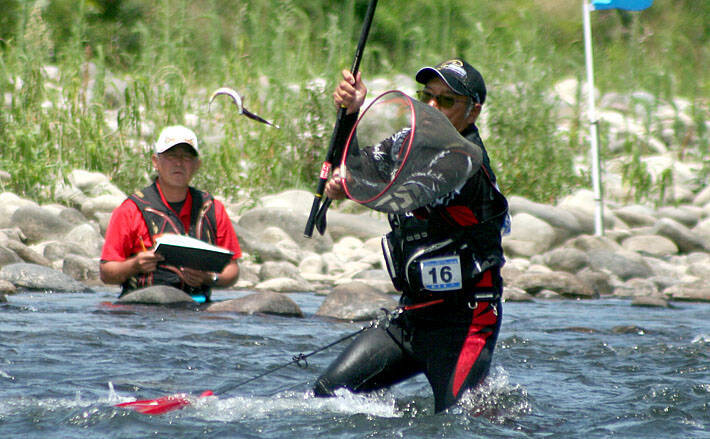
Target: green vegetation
[[88, 84]]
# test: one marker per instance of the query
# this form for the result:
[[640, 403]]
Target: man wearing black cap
[[447, 335]]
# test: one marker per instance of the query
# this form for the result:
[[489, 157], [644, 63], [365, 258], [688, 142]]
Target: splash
[[496, 399]]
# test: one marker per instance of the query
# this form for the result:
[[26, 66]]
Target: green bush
[[126, 68]]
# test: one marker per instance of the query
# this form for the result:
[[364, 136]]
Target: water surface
[[562, 369]]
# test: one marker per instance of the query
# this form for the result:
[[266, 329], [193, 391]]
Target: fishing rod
[[169, 403], [164, 404], [317, 215]]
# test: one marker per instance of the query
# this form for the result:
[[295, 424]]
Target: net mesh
[[403, 154]]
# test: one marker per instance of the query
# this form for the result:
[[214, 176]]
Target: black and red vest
[[433, 227], [162, 219]]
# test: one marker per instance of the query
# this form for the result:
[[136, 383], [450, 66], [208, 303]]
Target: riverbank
[[653, 257]]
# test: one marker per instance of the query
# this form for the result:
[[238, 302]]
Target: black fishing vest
[[418, 247], [161, 219]]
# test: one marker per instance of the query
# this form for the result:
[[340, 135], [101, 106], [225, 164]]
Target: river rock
[[291, 222], [600, 282], [355, 301], [529, 236], [567, 259], [698, 291], [251, 243], [87, 236], [561, 282], [266, 302], [636, 215], [157, 295], [686, 240], [622, 265], [81, 268], [564, 221], [515, 294], [689, 218], [7, 256], [275, 269], [285, 285], [38, 278], [28, 254], [650, 301], [7, 288], [38, 224], [361, 226], [637, 287], [57, 250], [654, 245]]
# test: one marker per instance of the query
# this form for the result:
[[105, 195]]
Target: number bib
[[441, 274]]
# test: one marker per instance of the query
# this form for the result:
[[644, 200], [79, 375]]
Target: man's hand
[[196, 278], [146, 261], [334, 187], [350, 93]]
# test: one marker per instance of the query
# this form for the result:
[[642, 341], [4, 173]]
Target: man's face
[[457, 112], [176, 166]]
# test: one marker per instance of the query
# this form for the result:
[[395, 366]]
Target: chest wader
[[161, 219]]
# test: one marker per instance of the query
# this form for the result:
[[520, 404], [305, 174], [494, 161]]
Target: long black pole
[[333, 149]]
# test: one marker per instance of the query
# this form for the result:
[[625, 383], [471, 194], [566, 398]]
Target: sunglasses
[[444, 101]]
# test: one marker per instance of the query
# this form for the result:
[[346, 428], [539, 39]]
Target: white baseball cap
[[175, 135]]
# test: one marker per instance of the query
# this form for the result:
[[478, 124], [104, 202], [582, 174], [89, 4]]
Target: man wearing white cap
[[169, 205]]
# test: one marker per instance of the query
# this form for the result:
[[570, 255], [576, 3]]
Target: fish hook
[[238, 102]]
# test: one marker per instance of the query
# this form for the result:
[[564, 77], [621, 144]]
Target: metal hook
[[238, 102]]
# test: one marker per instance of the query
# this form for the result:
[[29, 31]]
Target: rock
[[81, 268], [703, 197], [57, 250], [619, 264], [7, 288], [529, 236], [262, 251], [359, 226], [86, 236], [650, 244], [285, 285], [7, 256], [38, 224], [292, 222], [636, 288], [583, 206], [27, 254], [598, 281], [38, 278], [635, 215], [682, 237], [72, 216], [101, 204], [557, 217], [698, 291], [276, 269], [687, 217], [355, 301], [157, 295], [560, 282], [650, 301], [514, 294], [566, 259], [266, 302]]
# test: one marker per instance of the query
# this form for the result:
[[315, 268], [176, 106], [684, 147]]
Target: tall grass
[[127, 68]]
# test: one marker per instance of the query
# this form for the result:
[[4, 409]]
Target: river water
[[562, 369]]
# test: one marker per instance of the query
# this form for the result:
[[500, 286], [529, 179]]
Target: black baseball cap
[[459, 75]]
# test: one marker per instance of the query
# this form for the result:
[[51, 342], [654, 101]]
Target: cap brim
[[426, 74], [163, 149]]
